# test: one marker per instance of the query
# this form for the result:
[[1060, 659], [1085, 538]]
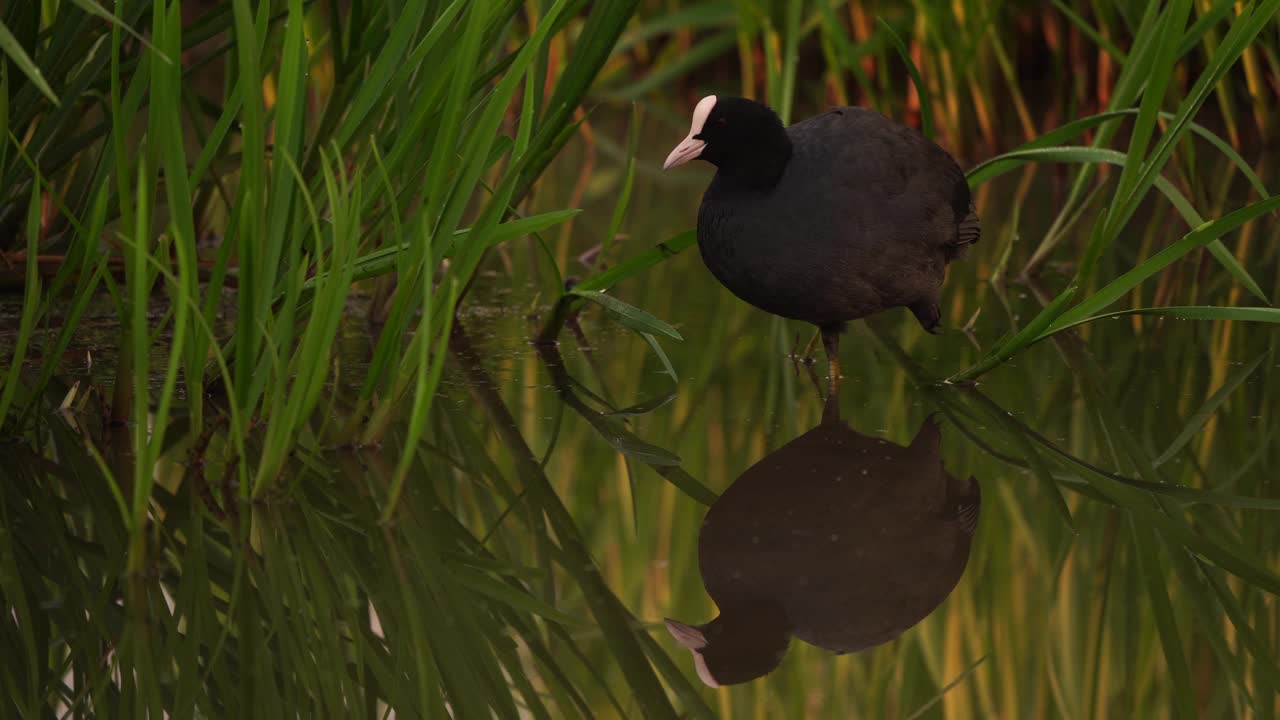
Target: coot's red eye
[[721, 122]]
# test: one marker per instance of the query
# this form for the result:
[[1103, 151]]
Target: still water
[[1038, 544]]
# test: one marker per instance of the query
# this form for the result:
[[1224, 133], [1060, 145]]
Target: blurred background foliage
[[275, 440]]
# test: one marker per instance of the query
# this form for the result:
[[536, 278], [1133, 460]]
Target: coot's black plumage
[[832, 219]]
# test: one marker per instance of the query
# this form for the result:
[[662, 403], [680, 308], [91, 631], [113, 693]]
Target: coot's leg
[[807, 356], [831, 343], [808, 349]]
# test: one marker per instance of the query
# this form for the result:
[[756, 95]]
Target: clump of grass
[[235, 552], [345, 142]]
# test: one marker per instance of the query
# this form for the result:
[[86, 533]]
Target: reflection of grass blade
[[1153, 576], [949, 686], [1206, 411], [1021, 339], [1209, 615], [662, 356], [1039, 468], [664, 462], [1264, 657], [614, 620], [645, 407]]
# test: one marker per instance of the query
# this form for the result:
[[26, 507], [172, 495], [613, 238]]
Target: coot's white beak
[[687, 635], [691, 147], [684, 152]]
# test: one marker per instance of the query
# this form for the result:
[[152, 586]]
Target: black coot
[[830, 220], [840, 539]]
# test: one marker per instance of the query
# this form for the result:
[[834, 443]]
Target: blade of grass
[[624, 195], [628, 315], [11, 47], [922, 90], [30, 306]]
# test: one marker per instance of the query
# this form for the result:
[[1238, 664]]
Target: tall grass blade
[[628, 315], [18, 54], [922, 90]]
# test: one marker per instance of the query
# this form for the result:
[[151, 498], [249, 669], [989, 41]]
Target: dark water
[[1041, 543]]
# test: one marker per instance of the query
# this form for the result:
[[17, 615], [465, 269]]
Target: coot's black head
[[739, 646], [743, 138]]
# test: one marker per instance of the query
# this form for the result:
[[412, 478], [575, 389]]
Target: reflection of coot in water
[[840, 539]]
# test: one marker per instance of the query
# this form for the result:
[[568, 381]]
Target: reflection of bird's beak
[[692, 638], [687, 150], [687, 635], [704, 673]]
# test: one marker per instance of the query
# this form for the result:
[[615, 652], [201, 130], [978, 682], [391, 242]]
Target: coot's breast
[[856, 224]]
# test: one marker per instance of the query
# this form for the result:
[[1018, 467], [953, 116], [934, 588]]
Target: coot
[[832, 219], [840, 539]]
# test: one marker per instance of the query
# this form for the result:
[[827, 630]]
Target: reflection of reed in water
[[841, 539]]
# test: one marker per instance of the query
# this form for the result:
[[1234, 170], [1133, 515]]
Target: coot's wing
[[908, 171]]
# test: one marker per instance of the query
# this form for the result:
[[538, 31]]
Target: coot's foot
[[804, 357]]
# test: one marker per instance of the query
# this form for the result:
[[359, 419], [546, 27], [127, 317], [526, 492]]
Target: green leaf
[[1189, 312], [93, 8], [511, 596], [30, 305], [11, 47], [629, 315], [1001, 164], [1121, 286], [628, 180], [922, 90], [640, 263], [383, 260], [702, 52]]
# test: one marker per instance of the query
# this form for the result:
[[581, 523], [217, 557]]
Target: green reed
[[375, 140]]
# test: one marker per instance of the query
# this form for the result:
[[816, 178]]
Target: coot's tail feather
[[968, 232]]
